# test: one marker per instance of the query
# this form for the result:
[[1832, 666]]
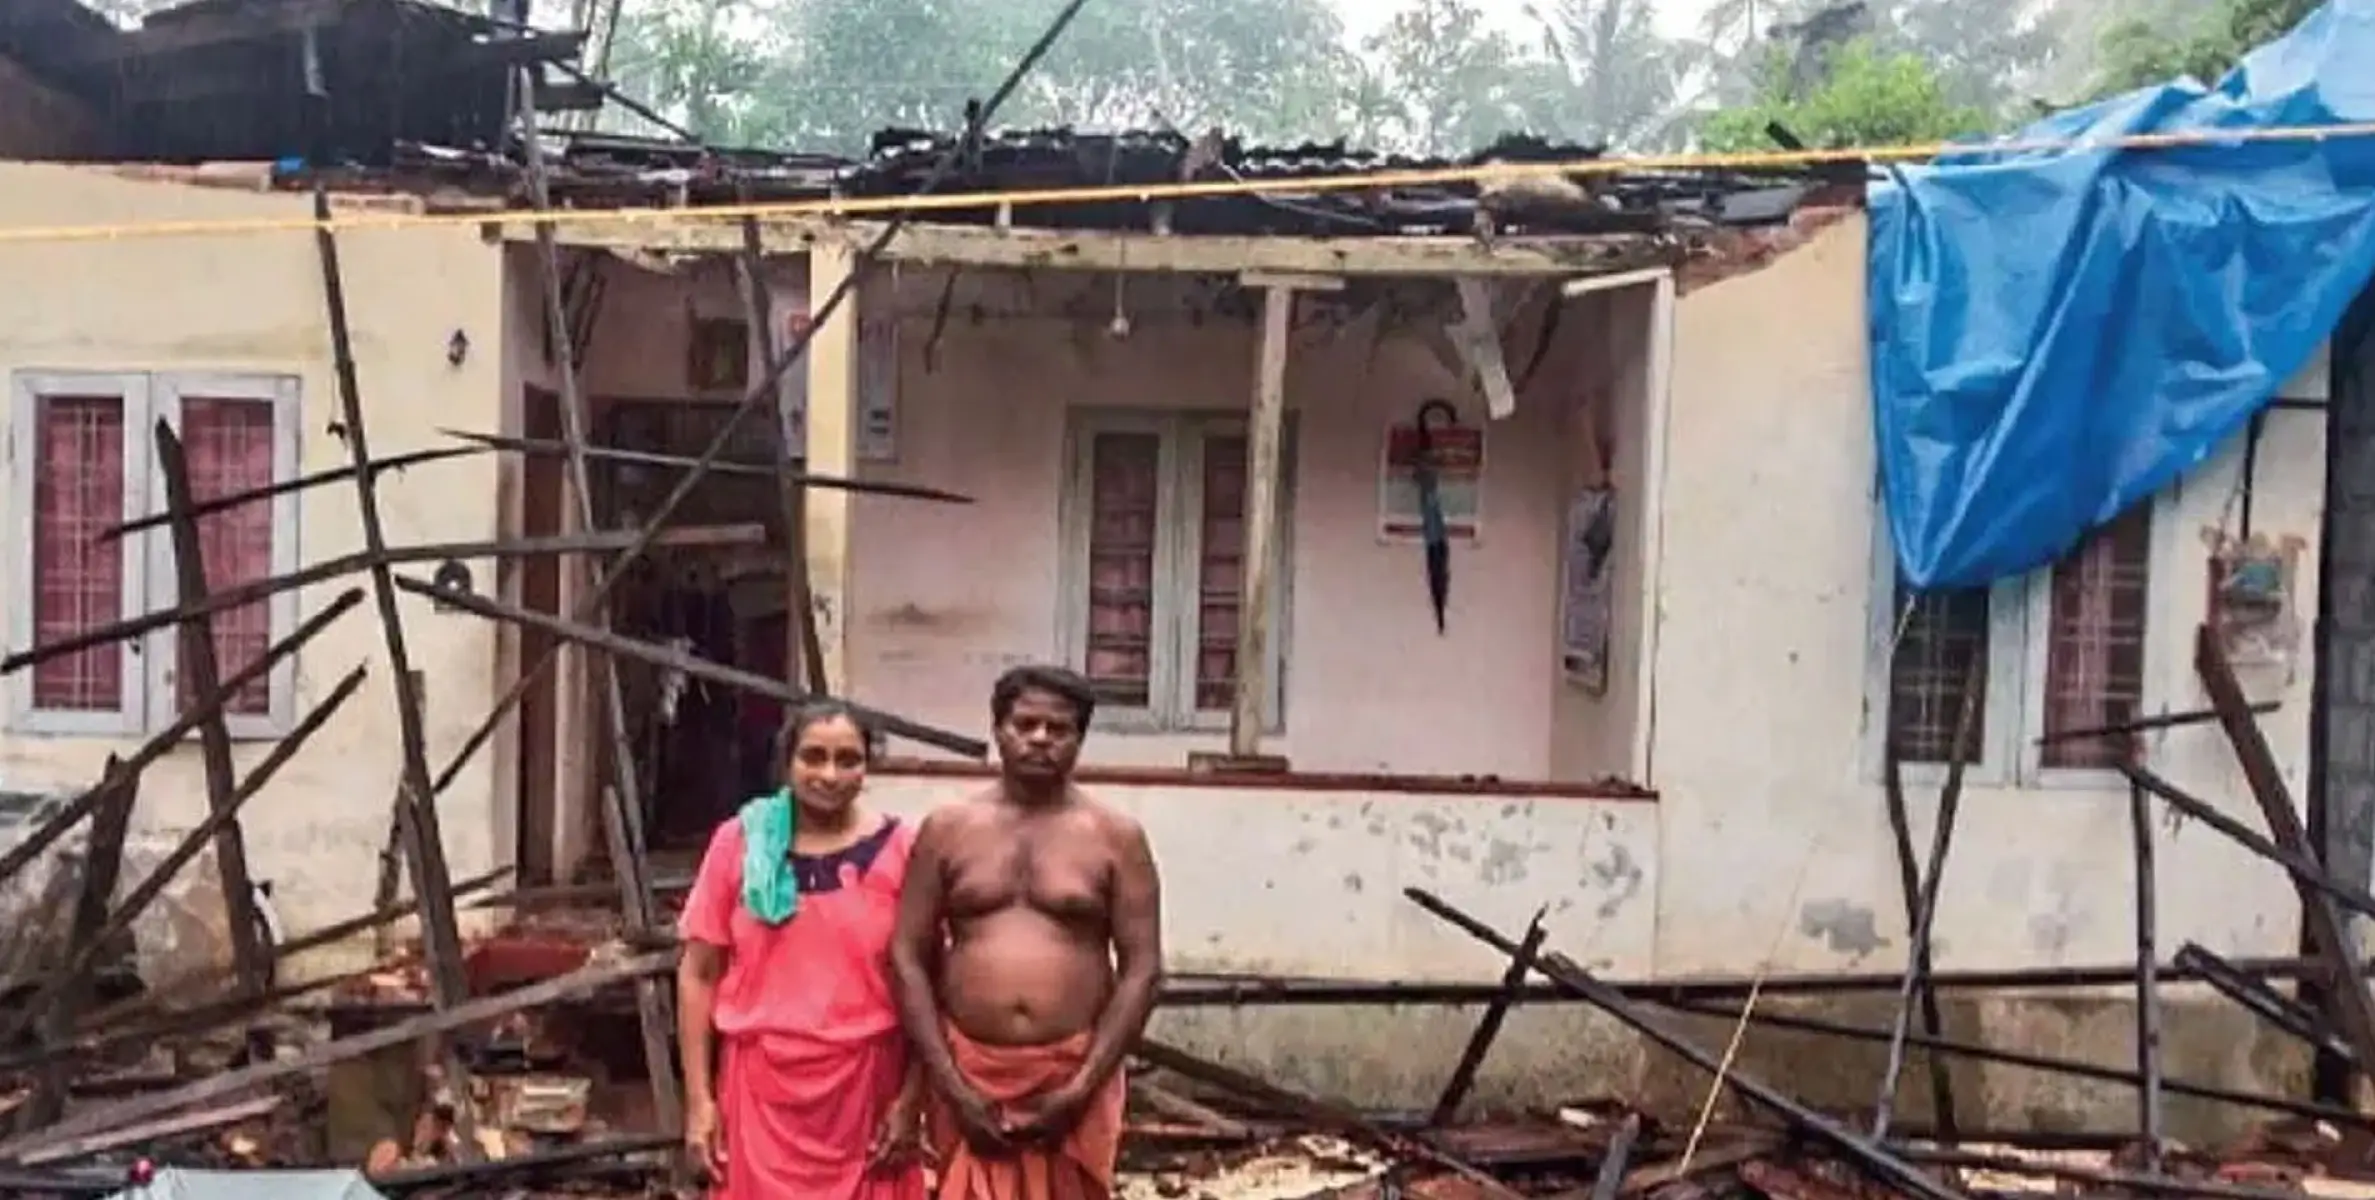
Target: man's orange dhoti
[[1080, 1168]]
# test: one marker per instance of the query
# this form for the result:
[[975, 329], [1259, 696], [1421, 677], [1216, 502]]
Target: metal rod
[[1463, 1074], [157, 746], [623, 801], [1933, 1020], [1925, 913], [441, 938], [2148, 995], [2265, 1002], [1866, 1155], [678, 660], [976, 119], [194, 643], [231, 500], [1979, 1052]]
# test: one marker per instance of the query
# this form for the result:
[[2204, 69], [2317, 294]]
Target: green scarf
[[770, 888]]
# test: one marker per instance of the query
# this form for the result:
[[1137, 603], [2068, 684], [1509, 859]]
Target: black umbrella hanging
[[1433, 531]]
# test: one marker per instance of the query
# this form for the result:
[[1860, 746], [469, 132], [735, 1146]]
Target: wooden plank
[[832, 449], [1117, 251], [103, 864], [195, 643], [622, 802], [432, 883], [690, 664], [2354, 1006], [166, 739], [1265, 433], [426, 1025]]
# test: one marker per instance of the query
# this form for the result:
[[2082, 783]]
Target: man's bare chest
[[1059, 873]]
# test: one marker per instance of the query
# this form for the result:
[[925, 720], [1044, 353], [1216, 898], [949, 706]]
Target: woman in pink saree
[[797, 1079]]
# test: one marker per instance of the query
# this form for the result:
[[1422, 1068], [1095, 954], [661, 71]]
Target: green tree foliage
[[1438, 80], [1867, 96], [2156, 47]]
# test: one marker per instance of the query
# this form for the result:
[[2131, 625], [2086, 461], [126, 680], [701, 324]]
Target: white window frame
[[1171, 676], [27, 390], [151, 584], [2019, 643]]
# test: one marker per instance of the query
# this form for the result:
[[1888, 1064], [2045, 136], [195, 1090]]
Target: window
[[1154, 520], [2094, 643], [2061, 652], [80, 460]]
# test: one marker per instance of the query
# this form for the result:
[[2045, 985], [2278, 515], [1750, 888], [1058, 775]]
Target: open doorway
[[713, 586]]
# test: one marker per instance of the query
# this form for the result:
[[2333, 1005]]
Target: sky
[[1362, 17]]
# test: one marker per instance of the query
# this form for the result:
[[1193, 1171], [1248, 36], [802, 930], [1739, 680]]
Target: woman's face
[[828, 766]]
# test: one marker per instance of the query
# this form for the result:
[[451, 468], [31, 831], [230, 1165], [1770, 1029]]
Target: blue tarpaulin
[[2058, 334]]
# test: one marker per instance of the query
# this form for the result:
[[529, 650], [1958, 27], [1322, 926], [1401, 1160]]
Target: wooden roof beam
[[1116, 251]]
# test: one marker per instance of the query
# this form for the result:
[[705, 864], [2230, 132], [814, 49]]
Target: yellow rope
[[859, 206], [1748, 1008]]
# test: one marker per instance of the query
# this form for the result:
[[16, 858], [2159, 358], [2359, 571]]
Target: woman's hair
[[811, 713]]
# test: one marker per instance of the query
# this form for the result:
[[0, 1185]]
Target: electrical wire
[[1350, 181]]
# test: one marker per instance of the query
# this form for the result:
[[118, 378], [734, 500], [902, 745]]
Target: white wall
[[1774, 824], [253, 303]]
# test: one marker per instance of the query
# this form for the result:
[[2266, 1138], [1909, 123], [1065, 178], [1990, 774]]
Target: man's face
[[1040, 738]]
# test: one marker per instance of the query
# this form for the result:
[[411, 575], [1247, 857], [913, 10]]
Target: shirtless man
[[1027, 956]]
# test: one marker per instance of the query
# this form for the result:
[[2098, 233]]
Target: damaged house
[[1196, 441]]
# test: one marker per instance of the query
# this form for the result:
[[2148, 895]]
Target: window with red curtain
[[228, 445], [2094, 657], [1220, 571], [1944, 633], [78, 580], [1125, 490]]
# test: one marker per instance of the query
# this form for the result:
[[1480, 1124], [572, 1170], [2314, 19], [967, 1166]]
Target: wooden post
[[621, 803], [832, 450], [202, 676], [416, 807], [1265, 437], [804, 652]]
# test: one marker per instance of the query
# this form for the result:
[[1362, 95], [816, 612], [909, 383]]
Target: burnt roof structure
[[335, 81]]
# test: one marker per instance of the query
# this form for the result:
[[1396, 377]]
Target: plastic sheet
[[2058, 334]]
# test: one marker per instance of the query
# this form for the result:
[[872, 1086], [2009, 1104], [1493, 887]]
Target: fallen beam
[[2354, 1005], [148, 889], [650, 458], [1227, 992], [2262, 1001], [195, 654], [1488, 1027], [1320, 1113], [689, 664], [1924, 908], [621, 803], [424, 844], [1870, 1157], [1981, 1052], [1933, 1020], [321, 572], [433, 1024], [2303, 870], [231, 500], [157, 746]]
